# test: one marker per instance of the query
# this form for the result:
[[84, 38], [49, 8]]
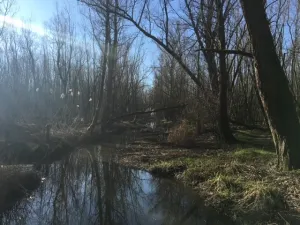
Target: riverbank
[[16, 182], [240, 181]]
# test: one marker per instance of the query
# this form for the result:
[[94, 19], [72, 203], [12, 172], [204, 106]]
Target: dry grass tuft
[[224, 186], [167, 168], [182, 134], [261, 195]]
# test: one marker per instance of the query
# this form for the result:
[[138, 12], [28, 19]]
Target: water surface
[[88, 188]]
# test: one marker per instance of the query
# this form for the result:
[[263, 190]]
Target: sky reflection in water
[[84, 189]]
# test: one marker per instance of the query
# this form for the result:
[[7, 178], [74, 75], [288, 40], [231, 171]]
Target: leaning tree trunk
[[273, 87]]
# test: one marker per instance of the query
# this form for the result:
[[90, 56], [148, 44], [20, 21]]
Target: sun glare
[[17, 23]]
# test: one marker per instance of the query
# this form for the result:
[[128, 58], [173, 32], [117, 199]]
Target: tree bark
[[225, 130], [220, 89], [273, 87], [100, 100], [112, 64]]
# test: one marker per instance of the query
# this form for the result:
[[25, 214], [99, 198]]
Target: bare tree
[[100, 97], [165, 42], [6, 9], [273, 87]]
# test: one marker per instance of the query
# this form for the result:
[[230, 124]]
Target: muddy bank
[[31, 144], [16, 182], [240, 181], [33, 153], [26, 148]]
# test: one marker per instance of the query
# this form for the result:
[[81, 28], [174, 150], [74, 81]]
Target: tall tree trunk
[[100, 100], [258, 97], [224, 80], [273, 87], [112, 64]]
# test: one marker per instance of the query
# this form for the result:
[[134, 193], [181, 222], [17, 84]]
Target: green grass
[[235, 162], [238, 181], [168, 168], [242, 182], [249, 154], [255, 138], [225, 186], [260, 195]]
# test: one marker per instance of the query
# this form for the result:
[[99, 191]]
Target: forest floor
[[238, 180]]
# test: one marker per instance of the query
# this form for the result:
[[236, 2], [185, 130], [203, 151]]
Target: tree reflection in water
[[88, 188]]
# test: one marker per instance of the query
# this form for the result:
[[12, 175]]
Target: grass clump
[[196, 175], [261, 195], [253, 155], [200, 170], [224, 186], [236, 168], [241, 182], [168, 169]]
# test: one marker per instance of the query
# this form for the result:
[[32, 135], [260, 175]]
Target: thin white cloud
[[17, 23]]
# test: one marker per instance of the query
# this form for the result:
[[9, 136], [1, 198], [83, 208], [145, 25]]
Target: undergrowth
[[241, 182], [182, 134]]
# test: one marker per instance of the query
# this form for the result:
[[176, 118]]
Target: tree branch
[[227, 51], [123, 14]]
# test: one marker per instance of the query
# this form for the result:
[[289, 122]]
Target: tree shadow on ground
[[255, 139]]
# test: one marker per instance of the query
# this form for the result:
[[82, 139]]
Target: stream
[[87, 188]]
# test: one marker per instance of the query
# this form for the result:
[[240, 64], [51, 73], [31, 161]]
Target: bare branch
[[229, 52]]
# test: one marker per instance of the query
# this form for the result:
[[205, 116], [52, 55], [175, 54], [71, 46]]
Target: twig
[[286, 222]]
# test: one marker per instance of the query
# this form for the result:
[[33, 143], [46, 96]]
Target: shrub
[[182, 134]]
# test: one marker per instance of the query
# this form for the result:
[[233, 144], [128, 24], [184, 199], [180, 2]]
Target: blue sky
[[37, 12], [40, 11]]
